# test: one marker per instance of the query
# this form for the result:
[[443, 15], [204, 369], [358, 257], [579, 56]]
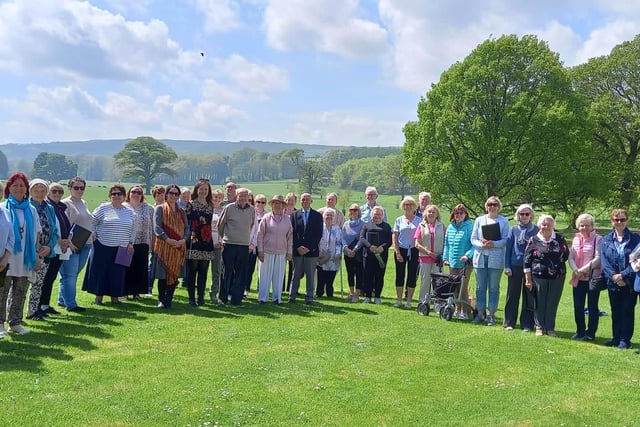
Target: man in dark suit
[[307, 232]]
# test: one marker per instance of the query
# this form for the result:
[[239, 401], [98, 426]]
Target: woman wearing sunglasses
[[137, 274], [614, 257], [519, 235], [113, 228], [489, 238]]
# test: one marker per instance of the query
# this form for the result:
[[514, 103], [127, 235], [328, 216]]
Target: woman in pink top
[[584, 259], [275, 241], [430, 244]]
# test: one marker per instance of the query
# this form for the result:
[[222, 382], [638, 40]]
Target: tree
[[144, 159], [53, 167], [494, 124], [611, 84], [312, 173], [4, 166]]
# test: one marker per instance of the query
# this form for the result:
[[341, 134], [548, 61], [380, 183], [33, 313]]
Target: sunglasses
[[174, 193], [354, 210], [260, 202], [116, 193], [459, 212], [56, 191], [138, 192], [75, 187], [524, 213], [492, 205], [619, 219]]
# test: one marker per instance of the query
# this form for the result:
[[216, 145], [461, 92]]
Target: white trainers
[[366, 300], [398, 303], [18, 329], [377, 300]]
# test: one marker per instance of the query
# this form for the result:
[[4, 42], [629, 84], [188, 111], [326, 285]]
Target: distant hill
[[108, 147]]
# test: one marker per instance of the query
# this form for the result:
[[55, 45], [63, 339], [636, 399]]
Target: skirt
[[136, 279], [103, 275]]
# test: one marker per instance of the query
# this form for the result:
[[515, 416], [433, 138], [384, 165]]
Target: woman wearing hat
[[47, 241], [24, 260], [275, 242]]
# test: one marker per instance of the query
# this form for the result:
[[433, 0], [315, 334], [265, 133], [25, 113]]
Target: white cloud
[[219, 15], [345, 128], [332, 26], [75, 39], [254, 79], [603, 39]]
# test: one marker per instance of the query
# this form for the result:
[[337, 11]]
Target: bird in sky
[[202, 53]]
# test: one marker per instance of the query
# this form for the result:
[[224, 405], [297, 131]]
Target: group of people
[[187, 233]]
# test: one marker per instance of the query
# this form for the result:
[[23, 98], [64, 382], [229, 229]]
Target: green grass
[[331, 364]]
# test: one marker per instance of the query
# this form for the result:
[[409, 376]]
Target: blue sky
[[338, 72]]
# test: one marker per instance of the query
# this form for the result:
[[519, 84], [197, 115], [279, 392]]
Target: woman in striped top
[[113, 227]]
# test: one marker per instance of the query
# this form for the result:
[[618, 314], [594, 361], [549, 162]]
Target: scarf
[[29, 242], [51, 239], [171, 258], [522, 231]]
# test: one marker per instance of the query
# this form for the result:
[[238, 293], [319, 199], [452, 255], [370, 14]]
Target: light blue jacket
[[496, 253], [457, 243]]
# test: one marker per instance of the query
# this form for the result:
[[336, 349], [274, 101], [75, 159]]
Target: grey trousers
[[35, 291], [12, 296], [308, 265], [548, 293]]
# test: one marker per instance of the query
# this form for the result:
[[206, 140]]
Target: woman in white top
[[113, 229], [78, 213], [24, 259], [489, 239], [330, 254]]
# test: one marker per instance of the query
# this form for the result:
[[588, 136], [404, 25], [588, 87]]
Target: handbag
[[598, 283], [323, 258]]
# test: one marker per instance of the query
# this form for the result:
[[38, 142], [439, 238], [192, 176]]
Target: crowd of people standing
[[207, 236]]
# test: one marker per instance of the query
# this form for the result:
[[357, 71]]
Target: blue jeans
[[69, 272], [487, 279]]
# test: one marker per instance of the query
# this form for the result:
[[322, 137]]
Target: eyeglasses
[[116, 193], [524, 213], [76, 187], [619, 219], [174, 193], [492, 205], [260, 202], [138, 192], [354, 210], [56, 191]]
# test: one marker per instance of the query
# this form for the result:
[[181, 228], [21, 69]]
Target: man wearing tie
[[307, 232]]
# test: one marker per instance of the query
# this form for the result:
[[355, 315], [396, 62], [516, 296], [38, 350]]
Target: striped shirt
[[113, 226]]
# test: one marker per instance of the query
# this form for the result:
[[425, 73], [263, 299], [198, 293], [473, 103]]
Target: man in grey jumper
[[235, 225]]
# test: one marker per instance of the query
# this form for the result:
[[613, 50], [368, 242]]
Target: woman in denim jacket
[[615, 248]]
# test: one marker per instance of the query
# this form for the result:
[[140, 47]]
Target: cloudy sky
[[339, 72]]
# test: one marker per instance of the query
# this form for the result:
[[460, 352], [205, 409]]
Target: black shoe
[[577, 336], [77, 309], [192, 302], [51, 310], [611, 343], [200, 301], [588, 338]]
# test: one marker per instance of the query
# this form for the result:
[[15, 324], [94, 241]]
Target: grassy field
[[331, 364]]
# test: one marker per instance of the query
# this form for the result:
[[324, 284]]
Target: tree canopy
[[500, 123], [611, 86], [145, 158], [53, 167]]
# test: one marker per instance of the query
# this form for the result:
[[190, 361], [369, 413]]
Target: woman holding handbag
[[584, 260]]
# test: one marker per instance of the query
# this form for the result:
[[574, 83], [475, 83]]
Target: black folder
[[491, 231], [373, 237], [80, 235]]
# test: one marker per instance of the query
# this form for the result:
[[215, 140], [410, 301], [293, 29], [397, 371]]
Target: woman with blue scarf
[[24, 261], [47, 241], [517, 240]]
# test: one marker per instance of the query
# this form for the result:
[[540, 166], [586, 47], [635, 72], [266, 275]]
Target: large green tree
[[501, 122], [611, 84], [145, 158], [53, 167]]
